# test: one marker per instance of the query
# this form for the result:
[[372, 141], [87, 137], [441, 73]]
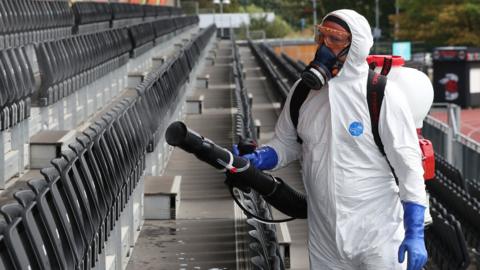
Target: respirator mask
[[333, 46]]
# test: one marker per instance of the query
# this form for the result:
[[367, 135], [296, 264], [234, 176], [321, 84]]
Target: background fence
[[459, 150]]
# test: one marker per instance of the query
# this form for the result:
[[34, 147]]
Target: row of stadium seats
[[91, 12], [444, 239], [161, 88], [24, 22], [244, 123], [289, 72], [91, 52], [458, 202], [141, 34], [269, 69], [262, 241], [166, 25], [17, 84], [68, 64], [452, 173], [144, 33], [63, 220], [473, 188], [28, 15], [462, 197]]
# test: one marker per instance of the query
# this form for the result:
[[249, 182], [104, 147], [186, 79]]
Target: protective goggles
[[332, 38]]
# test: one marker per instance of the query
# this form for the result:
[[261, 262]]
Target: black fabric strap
[[387, 66], [375, 93], [298, 97]]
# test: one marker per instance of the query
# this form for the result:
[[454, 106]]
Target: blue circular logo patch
[[356, 129]]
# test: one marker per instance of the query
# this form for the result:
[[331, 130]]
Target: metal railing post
[[454, 124]]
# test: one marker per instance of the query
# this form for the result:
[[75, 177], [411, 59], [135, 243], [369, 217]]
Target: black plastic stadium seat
[[105, 188], [69, 212], [43, 211], [19, 241], [163, 27], [259, 263], [91, 12], [141, 34], [107, 163], [100, 155], [78, 192], [118, 150], [84, 181], [43, 242], [6, 260]]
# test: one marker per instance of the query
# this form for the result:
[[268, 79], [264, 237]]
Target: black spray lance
[[240, 173]]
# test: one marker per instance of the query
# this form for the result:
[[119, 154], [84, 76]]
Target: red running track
[[470, 122]]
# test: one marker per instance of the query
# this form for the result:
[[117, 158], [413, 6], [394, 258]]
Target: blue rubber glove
[[263, 158], [414, 243]]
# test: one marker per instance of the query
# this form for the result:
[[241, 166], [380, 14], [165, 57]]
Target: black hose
[[288, 200], [239, 172]]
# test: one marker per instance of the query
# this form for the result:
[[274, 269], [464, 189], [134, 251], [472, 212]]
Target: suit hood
[[362, 41]]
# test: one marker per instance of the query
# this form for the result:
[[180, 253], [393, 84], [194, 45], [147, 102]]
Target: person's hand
[[263, 158], [235, 150], [414, 243]]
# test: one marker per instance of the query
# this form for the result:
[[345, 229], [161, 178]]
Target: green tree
[[279, 28], [233, 7], [251, 9], [440, 22], [293, 11]]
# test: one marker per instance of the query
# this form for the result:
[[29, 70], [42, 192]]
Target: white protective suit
[[354, 205]]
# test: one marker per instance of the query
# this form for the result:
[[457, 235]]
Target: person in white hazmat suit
[[358, 217]]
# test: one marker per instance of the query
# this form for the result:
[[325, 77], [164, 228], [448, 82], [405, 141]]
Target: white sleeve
[[398, 134], [284, 140]]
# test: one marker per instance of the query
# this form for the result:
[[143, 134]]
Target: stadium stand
[[54, 73], [68, 216], [92, 183]]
